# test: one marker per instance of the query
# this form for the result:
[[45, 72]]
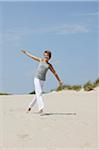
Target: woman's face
[[46, 56]]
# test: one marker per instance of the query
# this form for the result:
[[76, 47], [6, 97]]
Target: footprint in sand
[[23, 136]]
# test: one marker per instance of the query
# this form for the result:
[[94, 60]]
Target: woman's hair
[[49, 53]]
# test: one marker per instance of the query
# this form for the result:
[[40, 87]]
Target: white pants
[[38, 91]]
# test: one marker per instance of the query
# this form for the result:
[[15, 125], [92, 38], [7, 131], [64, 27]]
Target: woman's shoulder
[[41, 59]]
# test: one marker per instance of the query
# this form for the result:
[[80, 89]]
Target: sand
[[69, 122]]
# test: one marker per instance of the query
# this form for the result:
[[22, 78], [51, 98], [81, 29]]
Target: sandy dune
[[69, 122]]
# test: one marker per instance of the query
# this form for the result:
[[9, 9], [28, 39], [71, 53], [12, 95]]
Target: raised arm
[[55, 74], [30, 55]]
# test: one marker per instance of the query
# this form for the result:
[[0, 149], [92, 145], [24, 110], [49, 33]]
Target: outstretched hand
[[60, 86], [23, 51]]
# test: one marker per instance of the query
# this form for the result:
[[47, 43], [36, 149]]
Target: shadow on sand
[[58, 114]]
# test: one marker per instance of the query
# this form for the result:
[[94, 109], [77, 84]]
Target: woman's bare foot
[[40, 111], [29, 109]]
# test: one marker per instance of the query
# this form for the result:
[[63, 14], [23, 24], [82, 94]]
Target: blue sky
[[69, 29]]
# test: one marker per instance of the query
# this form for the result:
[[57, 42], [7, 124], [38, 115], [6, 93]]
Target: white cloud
[[15, 36], [72, 29], [63, 29]]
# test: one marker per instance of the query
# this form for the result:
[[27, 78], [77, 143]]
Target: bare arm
[[31, 56], [55, 74]]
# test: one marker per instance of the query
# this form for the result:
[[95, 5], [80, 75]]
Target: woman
[[40, 77]]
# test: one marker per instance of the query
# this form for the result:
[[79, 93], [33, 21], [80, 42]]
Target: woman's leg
[[39, 89], [32, 102]]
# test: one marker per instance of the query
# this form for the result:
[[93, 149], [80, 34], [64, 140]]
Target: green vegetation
[[76, 87], [69, 87], [96, 83], [4, 94], [89, 86]]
